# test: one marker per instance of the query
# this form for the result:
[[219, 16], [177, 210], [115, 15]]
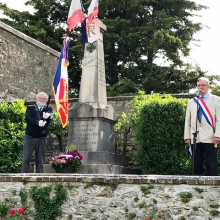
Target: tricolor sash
[[205, 111]]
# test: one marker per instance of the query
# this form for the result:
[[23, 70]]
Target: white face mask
[[41, 104]]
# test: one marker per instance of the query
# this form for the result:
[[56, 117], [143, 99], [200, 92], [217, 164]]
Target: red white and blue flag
[[205, 111], [60, 84], [75, 15], [93, 10]]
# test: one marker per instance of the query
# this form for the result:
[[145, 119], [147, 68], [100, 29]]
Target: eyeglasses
[[201, 85]]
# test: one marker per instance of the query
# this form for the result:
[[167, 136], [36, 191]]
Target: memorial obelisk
[[91, 120]]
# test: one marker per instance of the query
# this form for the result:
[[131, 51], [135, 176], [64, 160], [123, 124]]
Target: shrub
[[12, 131], [158, 124], [57, 129]]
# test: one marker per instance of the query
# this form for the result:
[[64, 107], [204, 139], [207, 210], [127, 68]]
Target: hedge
[[158, 124]]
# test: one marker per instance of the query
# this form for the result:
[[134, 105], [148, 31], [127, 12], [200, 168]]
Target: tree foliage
[[139, 33]]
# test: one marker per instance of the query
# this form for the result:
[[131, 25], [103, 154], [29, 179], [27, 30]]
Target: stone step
[[106, 169], [98, 169], [103, 157]]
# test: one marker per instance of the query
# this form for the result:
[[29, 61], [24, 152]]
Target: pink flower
[[81, 157], [62, 161], [21, 211], [12, 212]]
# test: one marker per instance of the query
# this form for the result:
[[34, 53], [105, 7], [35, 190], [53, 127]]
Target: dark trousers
[[208, 153], [30, 145]]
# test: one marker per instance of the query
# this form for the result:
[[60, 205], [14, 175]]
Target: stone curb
[[108, 178]]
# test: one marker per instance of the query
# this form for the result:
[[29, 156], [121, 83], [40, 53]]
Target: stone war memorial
[[91, 120]]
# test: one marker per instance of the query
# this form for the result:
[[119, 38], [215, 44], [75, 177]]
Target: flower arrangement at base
[[70, 159]]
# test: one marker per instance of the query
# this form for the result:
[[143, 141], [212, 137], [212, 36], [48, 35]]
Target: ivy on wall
[[47, 207]]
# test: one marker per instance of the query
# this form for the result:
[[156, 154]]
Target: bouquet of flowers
[[70, 159]]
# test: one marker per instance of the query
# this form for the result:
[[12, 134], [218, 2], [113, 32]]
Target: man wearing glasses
[[203, 116]]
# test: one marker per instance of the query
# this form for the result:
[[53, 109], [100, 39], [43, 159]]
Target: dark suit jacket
[[32, 119]]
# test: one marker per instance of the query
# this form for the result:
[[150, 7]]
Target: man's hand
[[42, 123], [46, 115], [216, 140], [188, 141]]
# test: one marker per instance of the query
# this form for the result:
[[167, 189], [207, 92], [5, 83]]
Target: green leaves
[[47, 207], [12, 130], [56, 128], [158, 124]]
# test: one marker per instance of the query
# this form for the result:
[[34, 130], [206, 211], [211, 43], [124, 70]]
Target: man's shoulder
[[214, 97], [192, 100], [31, 107]]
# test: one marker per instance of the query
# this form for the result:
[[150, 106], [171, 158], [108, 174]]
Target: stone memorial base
[[98, 169], [91, 130]]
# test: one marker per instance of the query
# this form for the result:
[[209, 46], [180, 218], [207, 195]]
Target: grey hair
[[203, 78], [43, 93]]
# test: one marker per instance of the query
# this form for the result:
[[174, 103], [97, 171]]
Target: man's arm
[[217, 122], [30, 116], [187, 135]]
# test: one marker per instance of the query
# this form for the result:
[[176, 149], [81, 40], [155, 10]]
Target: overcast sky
[[206, 55]]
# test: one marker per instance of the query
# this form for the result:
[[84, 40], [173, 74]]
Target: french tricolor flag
[[75, 15], [60, 84], [93, 10]]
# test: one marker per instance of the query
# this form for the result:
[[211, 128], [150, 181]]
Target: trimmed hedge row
[[158, 124]]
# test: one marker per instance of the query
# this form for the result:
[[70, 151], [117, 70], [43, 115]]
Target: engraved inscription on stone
[[101, 69], [85, 133]]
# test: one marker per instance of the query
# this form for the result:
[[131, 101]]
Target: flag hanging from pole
[[93, 10], [60, 84], [75, 15]]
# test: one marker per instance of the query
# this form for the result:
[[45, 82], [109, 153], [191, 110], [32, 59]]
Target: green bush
[[122, 133], [57, 129], [12, 130], [158, 124]]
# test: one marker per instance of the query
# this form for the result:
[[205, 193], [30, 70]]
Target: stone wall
[[137, 197], [26, 65]]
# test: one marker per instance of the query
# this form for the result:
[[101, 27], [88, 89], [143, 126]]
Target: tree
[[138, 33]]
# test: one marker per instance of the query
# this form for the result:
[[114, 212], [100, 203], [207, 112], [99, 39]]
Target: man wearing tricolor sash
[[203, 112]]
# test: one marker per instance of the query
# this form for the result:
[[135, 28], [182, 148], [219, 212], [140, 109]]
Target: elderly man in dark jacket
[[37, 118]]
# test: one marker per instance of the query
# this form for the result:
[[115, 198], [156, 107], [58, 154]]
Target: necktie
[[200, 112]]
